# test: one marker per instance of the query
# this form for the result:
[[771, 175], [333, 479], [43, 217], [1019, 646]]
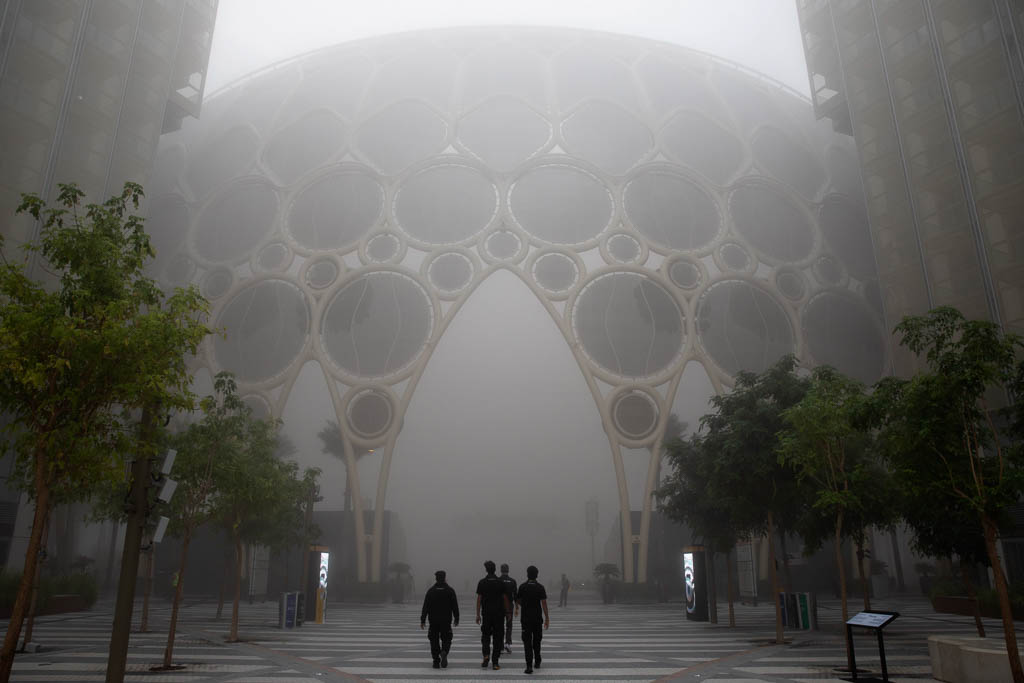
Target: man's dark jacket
[[440, 605]]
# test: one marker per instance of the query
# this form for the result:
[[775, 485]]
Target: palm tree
[[606, 571], [334, 444]]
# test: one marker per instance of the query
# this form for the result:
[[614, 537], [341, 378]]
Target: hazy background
[[761, 34], [502, 444]]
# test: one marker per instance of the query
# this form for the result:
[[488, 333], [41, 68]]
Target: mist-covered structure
[[663, 205], [933, 94]]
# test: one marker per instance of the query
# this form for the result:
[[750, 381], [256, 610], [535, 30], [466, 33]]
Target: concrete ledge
[[968, 660]]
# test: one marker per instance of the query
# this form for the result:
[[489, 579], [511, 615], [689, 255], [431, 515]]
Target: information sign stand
[[875, 621]]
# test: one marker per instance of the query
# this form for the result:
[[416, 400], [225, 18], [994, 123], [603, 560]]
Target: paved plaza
[[587, 641]]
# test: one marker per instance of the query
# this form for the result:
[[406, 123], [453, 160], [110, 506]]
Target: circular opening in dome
[[846, 231], [555, 272], [742, 327], [236, 221], [446, 204], [791, 284], [378, 324], [772, 222], [217, 283], [273, 256], [636, 415], [734, 256], [180, 270], [561, 204], [503, 244], [335, 211], [628, 324], [382, 248], [623, 248], [322, 274], [258, 405], [828, 270], [841, 332], [671, 211], [450, 272], [265, 326], [369, 414], [685, 274]]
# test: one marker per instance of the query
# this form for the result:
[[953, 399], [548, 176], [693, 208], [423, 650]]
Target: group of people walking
[[498, 599]]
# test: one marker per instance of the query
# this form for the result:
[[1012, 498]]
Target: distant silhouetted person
[[493, 602], [532, 601], [563, 595], [441, 607], [510, 591]]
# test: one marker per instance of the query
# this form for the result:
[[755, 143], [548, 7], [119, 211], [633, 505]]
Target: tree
[[826, 442], [690, 495], [762, 494], [202, 447], [946, 436], [77, 359], [334, 444], [259, 497]]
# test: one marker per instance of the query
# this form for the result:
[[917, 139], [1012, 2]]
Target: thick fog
[[762, 34], [501, 448]]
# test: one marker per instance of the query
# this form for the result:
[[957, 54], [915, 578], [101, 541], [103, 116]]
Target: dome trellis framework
[[662, 205]]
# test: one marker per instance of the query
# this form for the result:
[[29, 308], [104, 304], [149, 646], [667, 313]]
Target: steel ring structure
[[663, 205]]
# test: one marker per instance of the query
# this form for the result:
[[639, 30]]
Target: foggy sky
[[760, 34]]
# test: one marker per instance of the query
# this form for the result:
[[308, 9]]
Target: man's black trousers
[[440, 636], [532, 633], [492, 632]]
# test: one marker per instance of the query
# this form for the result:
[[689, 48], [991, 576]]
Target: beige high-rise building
[[933, 93], [86, 89]]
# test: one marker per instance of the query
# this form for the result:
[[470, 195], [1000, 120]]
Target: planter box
[[968, 660], [59, 604], [955, 604]]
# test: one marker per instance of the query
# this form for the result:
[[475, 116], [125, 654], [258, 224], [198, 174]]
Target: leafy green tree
[[77, 358], [826, 442], [202, 448], [743, 428], [942, 432], [690, 496], [259, 497]]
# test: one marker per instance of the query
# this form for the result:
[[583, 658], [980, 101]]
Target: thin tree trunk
[[712, 588], [896, 560], [147, 587], [973, 596], [31, 558], [1009, 633], [178, 592], [111, 554], [865, 587], [34, 605], [841, 569], [233, 634], [779, 638], [730, 577], [224, 578]]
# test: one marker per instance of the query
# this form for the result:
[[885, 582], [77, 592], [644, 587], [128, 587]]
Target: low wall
[[969, 660]]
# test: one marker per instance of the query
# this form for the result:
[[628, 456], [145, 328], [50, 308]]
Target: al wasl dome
[[664, 206]]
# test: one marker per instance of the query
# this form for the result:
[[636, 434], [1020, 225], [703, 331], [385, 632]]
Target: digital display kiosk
[[694, 573]]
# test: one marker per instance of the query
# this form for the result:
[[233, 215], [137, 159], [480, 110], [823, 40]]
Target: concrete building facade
[[932, 91]]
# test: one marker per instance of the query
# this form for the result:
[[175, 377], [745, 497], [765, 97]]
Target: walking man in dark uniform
[[492, 600], [510, 591], [532, 599], [441, 606], [563, 595]]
